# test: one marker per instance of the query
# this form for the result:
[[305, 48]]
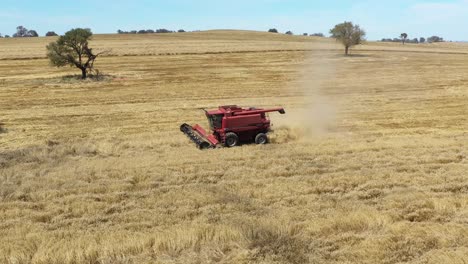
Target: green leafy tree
[[348, 34], [72, 49]]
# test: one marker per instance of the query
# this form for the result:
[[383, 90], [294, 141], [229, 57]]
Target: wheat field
[[369, 164]]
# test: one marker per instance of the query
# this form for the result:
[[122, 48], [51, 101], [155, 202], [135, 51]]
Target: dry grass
[[98, 172]]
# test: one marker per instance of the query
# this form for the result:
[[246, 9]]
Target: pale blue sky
[[446, 18]]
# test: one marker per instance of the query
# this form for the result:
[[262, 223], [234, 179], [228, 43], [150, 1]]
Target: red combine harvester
[[231, 125]]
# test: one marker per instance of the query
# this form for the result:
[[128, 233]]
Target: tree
[[1, 35], [51, 34], [181, 31], [289, 32], [305, 34], [273, 30], [7, 36], [403, 37], [72, 49], [435, 39], [32, 33], [348, 34], [20, 32], [422, 40]]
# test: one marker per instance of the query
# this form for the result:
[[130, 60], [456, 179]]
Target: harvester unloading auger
[[231, 125]]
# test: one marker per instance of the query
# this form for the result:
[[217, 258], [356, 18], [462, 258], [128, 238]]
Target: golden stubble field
[[369, 165]]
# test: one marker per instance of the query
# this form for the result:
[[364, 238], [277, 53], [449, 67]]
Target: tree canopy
[[348, 34], [72, 49]]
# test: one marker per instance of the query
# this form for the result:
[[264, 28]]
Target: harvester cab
[[231, 125]]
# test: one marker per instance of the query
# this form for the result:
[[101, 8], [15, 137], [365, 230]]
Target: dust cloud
[[316, 113]]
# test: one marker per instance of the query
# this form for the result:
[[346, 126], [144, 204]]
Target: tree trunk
[[346, 50], [83, 73]]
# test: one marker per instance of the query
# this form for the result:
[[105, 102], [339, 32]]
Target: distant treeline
[[432, 39], [289, 32], [22, 32], [149, 31]]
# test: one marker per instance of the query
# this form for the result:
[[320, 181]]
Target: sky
[[380, 19]]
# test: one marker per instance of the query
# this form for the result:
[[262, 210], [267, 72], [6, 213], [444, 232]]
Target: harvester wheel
[[231, 140], [261, 139]]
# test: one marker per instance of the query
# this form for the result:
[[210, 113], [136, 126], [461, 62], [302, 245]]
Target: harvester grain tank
[[231, 125]]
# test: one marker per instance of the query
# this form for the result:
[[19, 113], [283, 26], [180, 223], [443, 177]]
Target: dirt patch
[[2, 128]]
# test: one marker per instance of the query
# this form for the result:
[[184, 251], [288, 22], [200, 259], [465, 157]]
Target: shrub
[[273, 30]]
